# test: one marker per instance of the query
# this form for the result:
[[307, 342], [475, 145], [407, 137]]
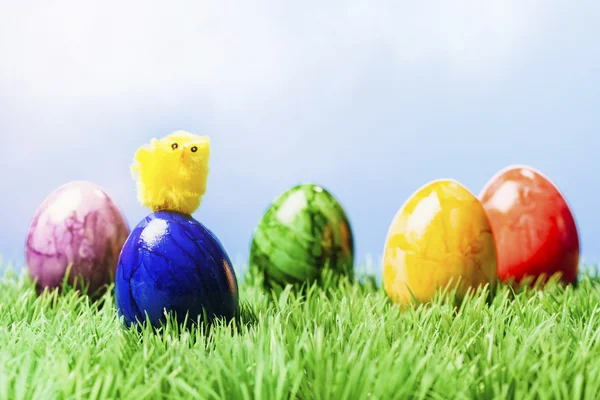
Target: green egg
[[303, 233]]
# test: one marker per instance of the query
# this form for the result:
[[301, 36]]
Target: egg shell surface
[[440, 235], [304, 232], [535, 231], [172, 263], [77, 225]]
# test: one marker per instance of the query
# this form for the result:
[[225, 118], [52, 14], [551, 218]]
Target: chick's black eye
[[194, 149], [174, 146]]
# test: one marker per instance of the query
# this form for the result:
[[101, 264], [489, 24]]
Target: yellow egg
[[440, 236]]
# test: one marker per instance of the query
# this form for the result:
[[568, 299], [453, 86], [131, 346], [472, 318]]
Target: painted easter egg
[[536, 235], [78, 227], [304, 232], [440, 237], [173, 264]]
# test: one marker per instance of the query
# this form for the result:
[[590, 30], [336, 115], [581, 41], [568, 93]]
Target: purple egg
[[78, 225]]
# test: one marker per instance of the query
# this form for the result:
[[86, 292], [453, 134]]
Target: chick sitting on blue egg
[[171, 263]]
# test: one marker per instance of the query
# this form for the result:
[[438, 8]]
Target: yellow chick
[[171, 172]]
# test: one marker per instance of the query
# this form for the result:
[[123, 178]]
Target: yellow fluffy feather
[[171, 172]]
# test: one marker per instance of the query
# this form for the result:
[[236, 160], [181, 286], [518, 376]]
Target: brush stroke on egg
[[77, 225], [302, 233], [173, 263]]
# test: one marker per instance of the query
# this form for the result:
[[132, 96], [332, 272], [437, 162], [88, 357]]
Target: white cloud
[[63, 59], [115, 49], [231, 50], [471, 36], [82, 84]]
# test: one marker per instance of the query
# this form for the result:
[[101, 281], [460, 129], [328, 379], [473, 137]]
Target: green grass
[[345, 341]]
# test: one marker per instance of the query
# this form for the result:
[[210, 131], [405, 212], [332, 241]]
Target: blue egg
[[171, 262]]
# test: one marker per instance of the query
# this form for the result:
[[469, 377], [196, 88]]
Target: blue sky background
[[369, 101]]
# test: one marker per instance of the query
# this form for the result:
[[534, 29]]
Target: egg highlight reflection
[[440, 237]]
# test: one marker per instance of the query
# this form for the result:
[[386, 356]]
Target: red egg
[[533, 227]]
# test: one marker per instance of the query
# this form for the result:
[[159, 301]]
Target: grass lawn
[[342, 342]]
